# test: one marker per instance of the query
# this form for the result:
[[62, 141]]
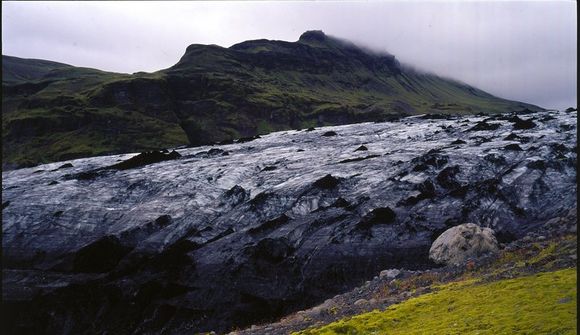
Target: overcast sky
[[518, 50]]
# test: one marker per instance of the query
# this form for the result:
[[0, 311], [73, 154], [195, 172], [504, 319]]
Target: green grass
[[116, 131], [15, 70], [544, 303], [264, 127]]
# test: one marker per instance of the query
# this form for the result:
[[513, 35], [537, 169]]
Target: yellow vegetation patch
[[544, 303]]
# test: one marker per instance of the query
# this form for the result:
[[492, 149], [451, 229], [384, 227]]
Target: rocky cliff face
[[50, 110], [231, 235]]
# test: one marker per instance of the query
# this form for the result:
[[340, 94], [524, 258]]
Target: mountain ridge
[[216, 94]]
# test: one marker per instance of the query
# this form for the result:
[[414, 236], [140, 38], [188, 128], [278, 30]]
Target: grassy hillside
[[53, 111], [54, 118], [16, 70], [544, 303]]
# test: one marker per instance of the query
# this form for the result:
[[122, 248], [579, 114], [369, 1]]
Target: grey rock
[[462, 242], [361, 302], [390, 274]]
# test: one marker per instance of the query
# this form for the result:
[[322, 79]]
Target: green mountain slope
[[52, 111], [16, 70]]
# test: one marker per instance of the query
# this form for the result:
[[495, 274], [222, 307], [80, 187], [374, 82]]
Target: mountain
[[53, 111], [218, 238], [17, 71]]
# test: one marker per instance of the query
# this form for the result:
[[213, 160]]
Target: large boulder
[[462, 242]]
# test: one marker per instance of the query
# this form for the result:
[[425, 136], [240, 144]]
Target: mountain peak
[[313, 36]]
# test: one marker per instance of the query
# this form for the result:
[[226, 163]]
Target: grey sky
[[518, 50]]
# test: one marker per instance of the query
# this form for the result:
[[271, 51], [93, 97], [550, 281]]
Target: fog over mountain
[[524, 51]]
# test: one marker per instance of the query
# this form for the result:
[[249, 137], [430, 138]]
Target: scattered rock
[[358, 159], [462, 242], [361, 302], [522, 124], [362, 148], [86, 175], [212, 153], [547, 118], [341, 203], [146, 158], [65, 166], [236, 195], [482, 126], [390, 274], [446, 178], [217, 152], [432, 158], [260, 199], [513, 147], [330, 133], [512, 137], [327, 182], [248, 139], [427, 191], [480, 139], [381, 215], [163, 220]]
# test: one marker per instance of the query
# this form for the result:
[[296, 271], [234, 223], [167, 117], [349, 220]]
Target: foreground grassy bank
[[543, 303]]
